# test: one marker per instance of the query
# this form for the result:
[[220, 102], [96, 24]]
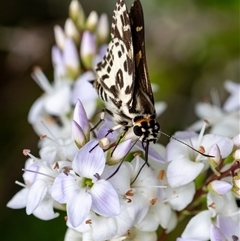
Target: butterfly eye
[[137, 130]]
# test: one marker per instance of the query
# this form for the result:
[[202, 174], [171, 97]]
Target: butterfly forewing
[[123, 82], [142, 80]]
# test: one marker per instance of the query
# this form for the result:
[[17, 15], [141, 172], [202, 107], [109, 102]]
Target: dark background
[[192, 48]]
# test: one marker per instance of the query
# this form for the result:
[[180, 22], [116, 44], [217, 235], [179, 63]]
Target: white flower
[[50, 110], [223, 121], [186, 164]]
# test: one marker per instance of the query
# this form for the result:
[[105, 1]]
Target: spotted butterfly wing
[[123, 83]]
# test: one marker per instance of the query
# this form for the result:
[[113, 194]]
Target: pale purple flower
[[86, 187]]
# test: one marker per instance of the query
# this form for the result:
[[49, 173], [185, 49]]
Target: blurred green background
[[192, 48]]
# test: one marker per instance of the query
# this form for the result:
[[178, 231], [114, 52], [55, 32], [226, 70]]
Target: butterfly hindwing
[[116, 71]]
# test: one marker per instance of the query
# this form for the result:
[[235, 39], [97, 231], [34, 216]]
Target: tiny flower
[[88, 49], [219, 187], [92, 21], [86, 187]]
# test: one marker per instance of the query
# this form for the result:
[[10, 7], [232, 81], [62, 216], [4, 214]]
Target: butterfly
[[122, 76]]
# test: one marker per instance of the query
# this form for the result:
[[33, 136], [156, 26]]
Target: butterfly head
[[146, 127]]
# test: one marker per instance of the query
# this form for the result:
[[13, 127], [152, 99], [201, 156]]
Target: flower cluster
[[94, 180]]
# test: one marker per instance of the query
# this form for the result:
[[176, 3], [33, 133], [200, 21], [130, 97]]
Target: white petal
[[150, 222], [208, 112], [87, 163], [58, 103], [138, 207], [182, 171], [164, 214], [124, 220], [105, 199], [225, 144], [63, 187], [78, 207], [103, 228], [198, 227], [72, 235], [19, 200], [121, 180], [35, 195], [139, 235], [181, 196], [83, 89], [45, 210]]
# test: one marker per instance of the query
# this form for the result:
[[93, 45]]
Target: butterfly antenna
[[120, 164], [146, 162], [184, 143]]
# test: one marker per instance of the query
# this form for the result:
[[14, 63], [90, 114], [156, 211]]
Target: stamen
[[49, 131], [41, 80], [36, 172], [20, 184]]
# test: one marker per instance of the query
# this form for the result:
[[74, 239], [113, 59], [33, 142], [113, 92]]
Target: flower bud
[[104, 143], [92, 21], [216, 158], [121, 150], [60, 37], [78, 134], [219, 187], [71, 59], [76, 13], [88, 49], [71, 30]]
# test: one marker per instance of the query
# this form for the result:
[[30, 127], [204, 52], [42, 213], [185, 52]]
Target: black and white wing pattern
[[122, 76]]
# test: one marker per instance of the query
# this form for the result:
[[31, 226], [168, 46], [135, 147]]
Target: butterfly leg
[[100, 121], [120, 138]]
